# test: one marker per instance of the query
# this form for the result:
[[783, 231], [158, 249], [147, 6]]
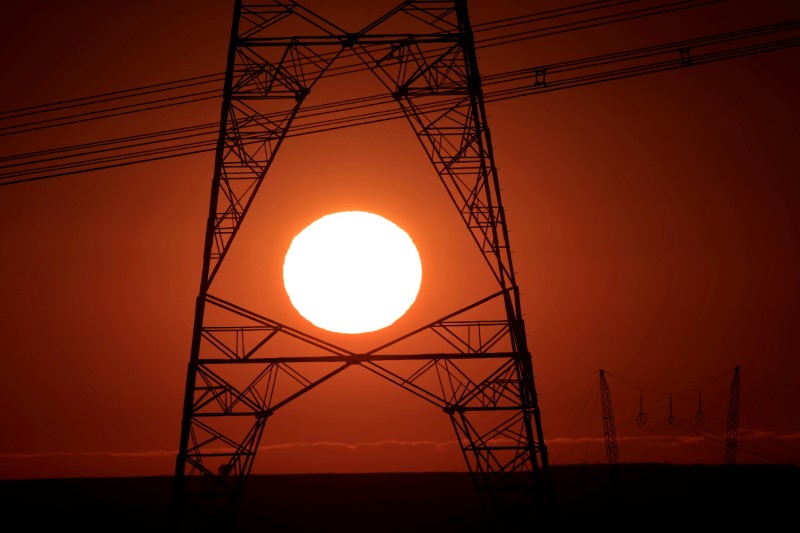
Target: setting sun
[[352, 272]]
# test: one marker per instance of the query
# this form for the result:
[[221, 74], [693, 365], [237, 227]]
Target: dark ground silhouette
[[626, 497]]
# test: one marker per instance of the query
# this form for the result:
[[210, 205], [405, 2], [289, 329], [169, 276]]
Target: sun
[[352, 272]]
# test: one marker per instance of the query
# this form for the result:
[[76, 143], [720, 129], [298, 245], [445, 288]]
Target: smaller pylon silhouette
[[609, 429], [733, 420], [700, 417], [641, 418]]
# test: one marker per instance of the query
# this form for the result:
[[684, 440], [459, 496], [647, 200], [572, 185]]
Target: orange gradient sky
[[654, 224]]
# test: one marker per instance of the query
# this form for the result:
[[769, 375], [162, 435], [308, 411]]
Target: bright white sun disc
[[352, 272]]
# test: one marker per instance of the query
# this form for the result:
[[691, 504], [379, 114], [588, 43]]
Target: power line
[[375, 109], [335, 71], [596, 22], [111, 96], [69, 160]]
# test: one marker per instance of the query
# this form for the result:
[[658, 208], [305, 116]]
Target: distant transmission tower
[[641, 418], [700, 417], [733, 420], [477, 369], [609, 428]]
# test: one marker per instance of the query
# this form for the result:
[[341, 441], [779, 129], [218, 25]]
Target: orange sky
[[653, 222]]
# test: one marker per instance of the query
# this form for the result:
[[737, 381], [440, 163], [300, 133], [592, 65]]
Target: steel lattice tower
[[609, 427], [479, 369], [733, 419]]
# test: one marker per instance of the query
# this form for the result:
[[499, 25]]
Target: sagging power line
[[189, 140]]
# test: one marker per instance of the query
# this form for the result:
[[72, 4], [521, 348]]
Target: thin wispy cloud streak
[[443, 445]]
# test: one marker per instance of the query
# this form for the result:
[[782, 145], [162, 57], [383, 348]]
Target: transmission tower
[[733, 420], [478, 368], [641, 418], [700, 417], [609, 429]]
